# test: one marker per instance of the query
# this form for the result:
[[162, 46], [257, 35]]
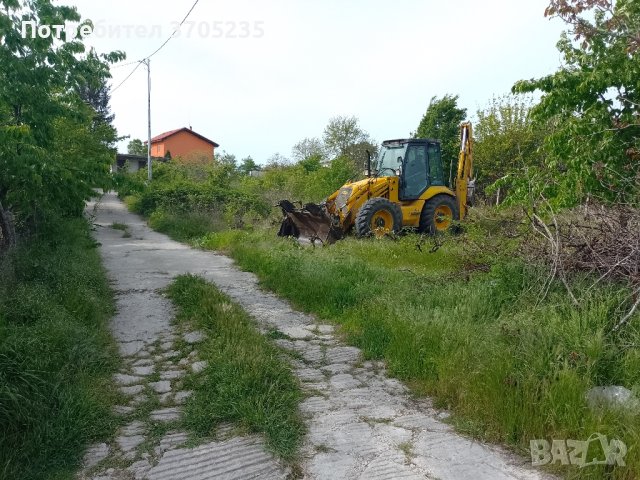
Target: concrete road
[[362, 424]]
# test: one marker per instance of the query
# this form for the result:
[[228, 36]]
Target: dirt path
[[362, 424]]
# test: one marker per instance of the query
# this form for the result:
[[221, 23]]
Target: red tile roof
[[165, 135]]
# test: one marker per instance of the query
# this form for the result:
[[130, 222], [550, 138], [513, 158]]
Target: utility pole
[[147, 62]]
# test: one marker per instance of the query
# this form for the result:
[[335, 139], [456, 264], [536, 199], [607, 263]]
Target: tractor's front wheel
[[379, 217], [438, 214]]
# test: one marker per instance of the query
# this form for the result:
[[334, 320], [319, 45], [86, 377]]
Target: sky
[[257, 76]]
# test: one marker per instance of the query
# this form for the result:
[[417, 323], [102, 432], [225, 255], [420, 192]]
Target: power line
[[176, 30], [128, 76], [139, 62], [120, 65]]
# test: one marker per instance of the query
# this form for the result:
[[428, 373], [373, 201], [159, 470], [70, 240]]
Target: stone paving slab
[[153, 371]]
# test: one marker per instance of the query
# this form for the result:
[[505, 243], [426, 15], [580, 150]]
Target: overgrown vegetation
[[56, 353], [442, 121], [56, 133], [510, 324], [468, 322], [593, 102], [188, 200], [247, 380]]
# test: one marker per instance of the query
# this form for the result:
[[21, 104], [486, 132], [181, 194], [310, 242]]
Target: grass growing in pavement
[[56, 354], [122, 227], [119, 226], [247, 380]]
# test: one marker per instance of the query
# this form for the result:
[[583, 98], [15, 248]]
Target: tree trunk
[[7, 229]]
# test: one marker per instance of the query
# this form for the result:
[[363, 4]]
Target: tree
[[442, 122], [278, 160], [54, 144], [312, 163], [594, 103], [227, 159], [506, 142], [342, 133], [357, 153], [247, 165], [136, 147], [307, 147], [94, 90]]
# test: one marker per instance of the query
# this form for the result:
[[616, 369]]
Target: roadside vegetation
[[56, 144], [467, 321], [248, 381], [57, 356]]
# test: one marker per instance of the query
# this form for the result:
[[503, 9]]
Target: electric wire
[[140, 62]]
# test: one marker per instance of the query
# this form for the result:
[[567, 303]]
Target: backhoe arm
[[464, 182]]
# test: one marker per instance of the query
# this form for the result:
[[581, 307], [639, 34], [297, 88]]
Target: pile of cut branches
[[606, 241], [600, 240]]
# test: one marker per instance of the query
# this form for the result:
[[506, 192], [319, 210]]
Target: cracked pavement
[[361, 423]]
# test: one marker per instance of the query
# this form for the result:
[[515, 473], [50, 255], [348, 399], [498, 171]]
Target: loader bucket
[[309, 225]]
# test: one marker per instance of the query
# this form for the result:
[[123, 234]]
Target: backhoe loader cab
[[404, 188], [416, 162]]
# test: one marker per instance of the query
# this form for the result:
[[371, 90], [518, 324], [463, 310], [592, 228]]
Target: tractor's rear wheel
[[378, 217], [438, 214]]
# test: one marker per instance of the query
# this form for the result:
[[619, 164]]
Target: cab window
[[415, 179], [436, 176]]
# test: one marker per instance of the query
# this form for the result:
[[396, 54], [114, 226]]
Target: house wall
[[157, 149], [181, 144]]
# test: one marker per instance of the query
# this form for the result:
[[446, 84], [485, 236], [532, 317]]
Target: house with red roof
[[183, 142]]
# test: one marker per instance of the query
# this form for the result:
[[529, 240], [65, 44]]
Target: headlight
[[343, 197]]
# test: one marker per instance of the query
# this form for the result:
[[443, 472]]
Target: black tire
[[432, 220], [374, 210]]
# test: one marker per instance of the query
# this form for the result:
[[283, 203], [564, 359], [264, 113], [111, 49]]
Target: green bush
[[220, 192]]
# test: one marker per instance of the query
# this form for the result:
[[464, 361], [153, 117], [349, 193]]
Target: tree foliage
[[247, 165], [136, 147], [593, 102], [55, 126], [341, 134], [506, 143], [306, 148], [442, 122]]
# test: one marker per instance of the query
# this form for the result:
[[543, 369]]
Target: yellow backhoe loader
[[404, 188]]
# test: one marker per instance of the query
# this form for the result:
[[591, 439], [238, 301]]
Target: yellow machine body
[[346, 202]]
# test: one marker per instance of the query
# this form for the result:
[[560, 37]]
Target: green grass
[[247, 380], [119, 226], [56, 353], [511, 368], [510, 365], [186, 226]]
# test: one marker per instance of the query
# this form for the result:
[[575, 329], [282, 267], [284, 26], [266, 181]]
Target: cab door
[[415, 177]]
